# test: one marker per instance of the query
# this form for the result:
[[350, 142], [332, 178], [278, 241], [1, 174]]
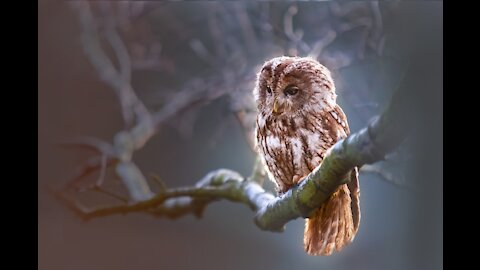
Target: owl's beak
[[277, 107]]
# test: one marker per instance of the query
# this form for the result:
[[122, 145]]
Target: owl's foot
[[297, 179]]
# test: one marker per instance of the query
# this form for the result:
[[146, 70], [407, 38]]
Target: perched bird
[[298, 121]]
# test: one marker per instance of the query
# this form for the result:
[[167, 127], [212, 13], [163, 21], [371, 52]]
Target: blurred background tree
[[193, 65]]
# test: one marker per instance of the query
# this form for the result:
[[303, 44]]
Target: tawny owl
[[298, 121]]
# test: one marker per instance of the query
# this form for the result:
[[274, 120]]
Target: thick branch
[[367, 146]]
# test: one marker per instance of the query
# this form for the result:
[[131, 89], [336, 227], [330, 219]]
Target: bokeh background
[[202, 58]]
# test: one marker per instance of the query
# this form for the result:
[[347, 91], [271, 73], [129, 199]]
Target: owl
[[298, 121]]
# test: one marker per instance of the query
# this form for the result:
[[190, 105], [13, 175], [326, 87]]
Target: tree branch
[[219, 184], [367, 146], [389, 177]]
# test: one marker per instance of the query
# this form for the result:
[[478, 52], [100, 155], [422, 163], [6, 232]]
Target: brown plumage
[[298, 121]]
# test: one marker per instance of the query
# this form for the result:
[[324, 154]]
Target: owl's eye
[[269, 90], [291, 90]]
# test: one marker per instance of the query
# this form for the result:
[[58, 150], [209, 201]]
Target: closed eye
[[291, 91]]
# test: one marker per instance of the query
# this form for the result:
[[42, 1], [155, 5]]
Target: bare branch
[[103, 168], [389, 177], [90, 143], [322, 43], [178, 207], [222, 183], [247, 29], [377, 39], [203, 92], [116, 42], [201, 51], [247, 122], [258, 172], [118, 80], [90, 166], [125, 142], [109, 193], [216, 32], [294, 35]]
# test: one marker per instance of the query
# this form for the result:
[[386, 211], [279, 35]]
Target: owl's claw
[[297, 179]]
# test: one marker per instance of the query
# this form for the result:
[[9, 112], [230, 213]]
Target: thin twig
[[90, 143], [89, 167], [388, 177], [258, 173], [109, 193], [103, 168]]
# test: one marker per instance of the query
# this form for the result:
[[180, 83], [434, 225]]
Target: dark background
[[399, 230]]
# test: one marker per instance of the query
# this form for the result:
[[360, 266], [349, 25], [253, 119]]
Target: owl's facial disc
[[283, 100]]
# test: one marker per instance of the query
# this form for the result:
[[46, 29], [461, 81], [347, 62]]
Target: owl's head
[[288, 85]]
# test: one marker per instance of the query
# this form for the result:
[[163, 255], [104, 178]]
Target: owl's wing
[[354, 188], [353, 185], [339, 116]]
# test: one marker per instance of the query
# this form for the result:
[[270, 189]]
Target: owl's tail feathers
[[332, 226]]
